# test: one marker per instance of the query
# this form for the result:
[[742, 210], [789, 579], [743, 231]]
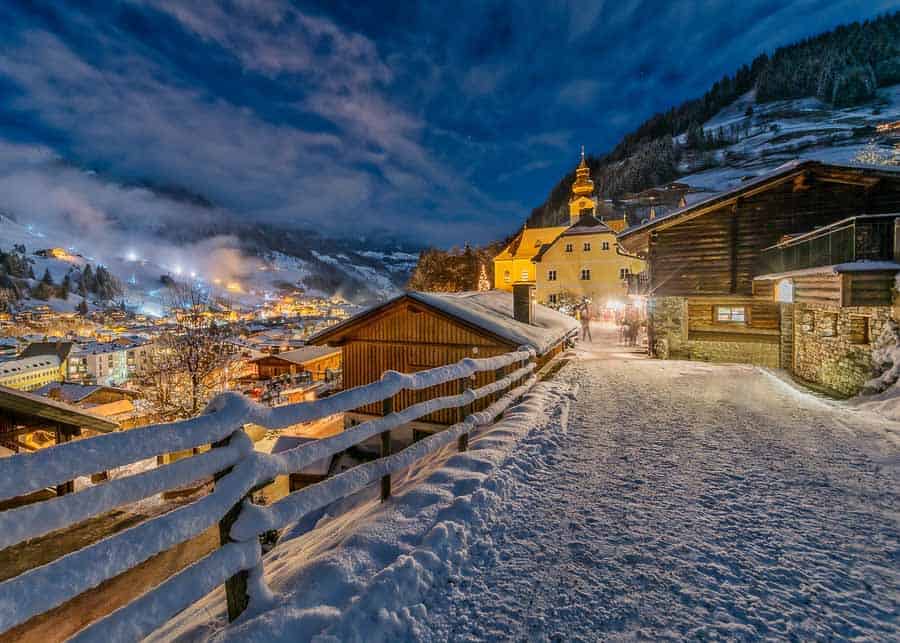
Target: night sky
[[441, 121]]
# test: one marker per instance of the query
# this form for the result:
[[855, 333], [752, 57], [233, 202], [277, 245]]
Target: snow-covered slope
[[781, 131]]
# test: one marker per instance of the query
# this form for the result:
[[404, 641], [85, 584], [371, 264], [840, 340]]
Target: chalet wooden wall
[[410, 339], [717, 252]]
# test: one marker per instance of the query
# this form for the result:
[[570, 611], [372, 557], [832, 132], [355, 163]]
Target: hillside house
[[316, 361], [418, 331], [734, 277]]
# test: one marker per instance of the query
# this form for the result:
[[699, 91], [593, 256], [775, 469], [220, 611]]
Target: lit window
[[506, 277], [587, 247], [524, 275], [585, 274], [568, 247], [731, 314], [606, 245], [551, 275]]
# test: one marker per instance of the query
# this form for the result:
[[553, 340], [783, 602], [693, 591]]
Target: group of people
[[628, 322]]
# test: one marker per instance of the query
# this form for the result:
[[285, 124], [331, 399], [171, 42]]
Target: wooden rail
[[238, 470]]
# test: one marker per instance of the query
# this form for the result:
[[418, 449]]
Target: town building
[[317, 362], [584, 263], [30, 373], [418, 331], [574, 263], [794, 269]]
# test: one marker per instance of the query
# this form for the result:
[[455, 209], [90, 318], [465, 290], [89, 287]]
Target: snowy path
[[686, 500]]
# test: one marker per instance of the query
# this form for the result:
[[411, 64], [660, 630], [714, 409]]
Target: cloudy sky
[[439, 121]]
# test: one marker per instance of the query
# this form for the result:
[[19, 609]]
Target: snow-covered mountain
[[245, 270], [767, 135]]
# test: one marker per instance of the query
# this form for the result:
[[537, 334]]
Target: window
[[568, 247], [859, 329], [587, 247], [623, 273], [585, 274], [524, 275], [606, 245], [731, 314], [506, 277], [827, 325], [551, 275], [552, 298]]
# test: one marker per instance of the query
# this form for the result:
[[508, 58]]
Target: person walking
[[585, 317]]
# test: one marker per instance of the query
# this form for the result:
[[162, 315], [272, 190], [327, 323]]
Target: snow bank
[[400, 550]]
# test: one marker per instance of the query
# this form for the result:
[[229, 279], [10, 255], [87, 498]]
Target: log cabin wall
[[411, 339], [711, 260], [716, 253]]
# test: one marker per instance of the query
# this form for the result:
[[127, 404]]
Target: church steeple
[[582, 198]]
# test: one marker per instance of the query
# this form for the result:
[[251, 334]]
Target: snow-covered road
[[686, 500]]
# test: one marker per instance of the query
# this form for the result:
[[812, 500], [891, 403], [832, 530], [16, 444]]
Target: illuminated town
[[449, 322]]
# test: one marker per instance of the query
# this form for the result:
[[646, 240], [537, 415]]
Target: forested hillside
[[842, 68]]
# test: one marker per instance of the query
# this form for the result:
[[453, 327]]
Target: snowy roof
[[587, 224], [33, 405], [14, 366], [489, 311], [303, 354], [67, 391], [528, 242], [781, 172], [60, 349], [835, 269]]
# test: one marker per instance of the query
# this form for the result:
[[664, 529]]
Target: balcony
[[862, 238]]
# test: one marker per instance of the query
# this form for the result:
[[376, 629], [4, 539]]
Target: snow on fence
[[238, 470]]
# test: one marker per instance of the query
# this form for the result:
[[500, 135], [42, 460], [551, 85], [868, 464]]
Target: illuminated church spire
[[582, 199]]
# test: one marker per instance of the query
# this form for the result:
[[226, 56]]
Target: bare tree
[[188, 364]]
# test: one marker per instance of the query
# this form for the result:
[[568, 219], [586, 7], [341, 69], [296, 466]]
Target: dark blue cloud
[[443, 121]]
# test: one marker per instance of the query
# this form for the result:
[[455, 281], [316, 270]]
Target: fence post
[[235, 587], [499, 374], [461, 413], [387, 407]]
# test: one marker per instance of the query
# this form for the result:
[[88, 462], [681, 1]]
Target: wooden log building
[[734, 277], [419, 331], [22, 413]]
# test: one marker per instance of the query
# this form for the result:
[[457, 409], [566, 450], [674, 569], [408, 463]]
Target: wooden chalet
[[418, 331], [318, 361], [23, 413], [720, 269]]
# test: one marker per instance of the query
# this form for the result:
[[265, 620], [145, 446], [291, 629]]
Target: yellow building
[[585, 261], [581, 259], [30, 373], [514, 265]]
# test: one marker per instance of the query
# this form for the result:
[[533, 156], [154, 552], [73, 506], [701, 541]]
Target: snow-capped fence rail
[[238, 471]]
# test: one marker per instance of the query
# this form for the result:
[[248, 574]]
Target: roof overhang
[[637, 239]]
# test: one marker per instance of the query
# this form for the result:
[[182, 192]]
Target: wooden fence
[[238, 470]]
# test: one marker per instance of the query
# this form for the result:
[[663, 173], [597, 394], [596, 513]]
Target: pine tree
[[47, 279], [65, 287]]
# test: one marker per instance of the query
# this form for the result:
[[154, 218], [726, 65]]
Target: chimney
[[523, 303]]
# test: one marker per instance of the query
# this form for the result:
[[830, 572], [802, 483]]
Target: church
[[575, 262]]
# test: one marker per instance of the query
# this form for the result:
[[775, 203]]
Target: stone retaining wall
[[827, 351]]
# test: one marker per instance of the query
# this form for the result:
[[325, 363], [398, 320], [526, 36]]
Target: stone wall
[[672, 341], [828, 349]]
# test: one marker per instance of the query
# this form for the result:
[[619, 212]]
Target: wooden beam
[[733, 249], [387, 407]]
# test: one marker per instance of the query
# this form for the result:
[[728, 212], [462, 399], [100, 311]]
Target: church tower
[[582, 199]]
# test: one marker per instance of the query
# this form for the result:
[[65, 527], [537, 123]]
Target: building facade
[[794, 269], [579, 261]]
